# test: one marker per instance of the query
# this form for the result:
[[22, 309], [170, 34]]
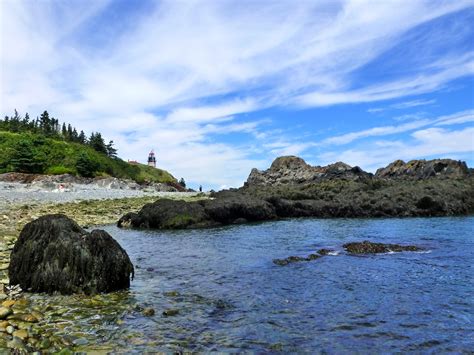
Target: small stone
[[80, 341], [10, 329], [171, 312], [5, 312], [8, 303], [3, 296], [4, 324], [171, 294], [148, 312], [25, 318], [45, 344], [22, 334]]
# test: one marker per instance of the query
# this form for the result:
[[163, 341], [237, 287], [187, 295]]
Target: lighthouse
[[152, 159]]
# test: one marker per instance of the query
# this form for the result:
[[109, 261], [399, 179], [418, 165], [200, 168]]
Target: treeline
[[50, 127]]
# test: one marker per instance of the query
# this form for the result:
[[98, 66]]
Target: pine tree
[[24, 159], [111, 151], [182, 183], [82, 138], [97, 143], [85, 166]]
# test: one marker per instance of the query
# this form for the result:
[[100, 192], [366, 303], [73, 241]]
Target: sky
[[217, 88]]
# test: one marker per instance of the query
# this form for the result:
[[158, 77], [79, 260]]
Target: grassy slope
[[60, 157]]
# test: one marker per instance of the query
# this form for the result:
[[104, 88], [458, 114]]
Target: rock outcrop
[[294, 170], [423, 169], [292, 188], [54, 254], [173, 214], [367, 247]]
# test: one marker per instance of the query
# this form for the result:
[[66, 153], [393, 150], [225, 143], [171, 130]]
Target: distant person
[[200, 188]]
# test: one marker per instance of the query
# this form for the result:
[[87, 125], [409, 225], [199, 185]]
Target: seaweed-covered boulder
[[167, 214], [54, 254], [367, 247]]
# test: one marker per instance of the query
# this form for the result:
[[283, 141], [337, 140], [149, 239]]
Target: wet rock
[[325, 251], [10, 329], [24, 317], [21, 333], [173, 214], [171, 312], [54, 254], [295, 259], [5, 312], [367, 247], [8, 303], [171, 294], [148, 312]]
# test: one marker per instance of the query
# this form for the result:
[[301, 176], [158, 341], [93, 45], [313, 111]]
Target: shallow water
[[232, 297]]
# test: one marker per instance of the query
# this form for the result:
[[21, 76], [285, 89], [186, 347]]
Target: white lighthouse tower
[[152, 159]]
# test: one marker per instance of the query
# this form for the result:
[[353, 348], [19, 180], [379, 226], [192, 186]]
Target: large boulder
[[167, 214], [54, 254]]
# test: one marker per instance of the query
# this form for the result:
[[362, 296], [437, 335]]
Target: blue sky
[[219, 87]]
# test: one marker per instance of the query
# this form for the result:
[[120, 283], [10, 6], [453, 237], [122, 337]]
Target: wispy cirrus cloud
[[427, 143], [175, 75]]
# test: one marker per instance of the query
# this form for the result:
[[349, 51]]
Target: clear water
[[233, 298]]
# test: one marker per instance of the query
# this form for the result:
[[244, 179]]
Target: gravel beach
[[17, 194]]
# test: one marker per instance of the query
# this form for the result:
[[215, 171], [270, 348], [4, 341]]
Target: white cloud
[[457, 118], [184, 71], [427, 143], [376, 131], [413, 103]]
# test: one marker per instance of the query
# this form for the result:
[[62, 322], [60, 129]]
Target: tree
[[111, 151], [85, 166], [24, 160], [82, 138], [97, 143], [182, 183]]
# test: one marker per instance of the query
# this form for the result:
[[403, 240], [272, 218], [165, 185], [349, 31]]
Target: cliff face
[[293, 170]]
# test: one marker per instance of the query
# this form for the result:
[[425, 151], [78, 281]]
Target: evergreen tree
[[82, 138], [111, 151], [85, 166], [182, 183], [24, 159], [97, 143]]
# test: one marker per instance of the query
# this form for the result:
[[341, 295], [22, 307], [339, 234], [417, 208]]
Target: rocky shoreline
[[48, 324], [291, 188]]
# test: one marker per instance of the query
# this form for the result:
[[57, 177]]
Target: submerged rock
[[367, 247], [54, 254], [295, 259]]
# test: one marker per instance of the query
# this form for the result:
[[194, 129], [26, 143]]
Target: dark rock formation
[[422, 169], [54, 254], [294, 170], [295, 259], [292, 188], [367, 247], [173, 214]]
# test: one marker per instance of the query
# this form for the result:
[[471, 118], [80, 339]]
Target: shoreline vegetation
[[45, 146]]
